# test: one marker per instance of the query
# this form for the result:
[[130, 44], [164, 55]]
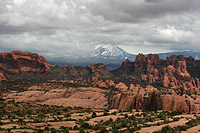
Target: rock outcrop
[[19, 62], [80, 97], [2, 77], [174, 77], [98, 70], [151, 99], [172, 72]]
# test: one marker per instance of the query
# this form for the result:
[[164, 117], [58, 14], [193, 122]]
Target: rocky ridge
[[19, 62], [171, 72], [176, 87]]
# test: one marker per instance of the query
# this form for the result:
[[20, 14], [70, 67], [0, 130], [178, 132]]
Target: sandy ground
[[193, 130], [156, 128], [22, 130], [72, 131], [10, 126], [173, 124], [57, 125], [188, 116], [80, 115], [154, 122], [93, 121]]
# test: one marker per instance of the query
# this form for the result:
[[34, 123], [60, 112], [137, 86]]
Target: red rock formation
[[152, 100], [101, 84], [147, 68], [98, 70], [174, 103], [140, 64], [19, 62], [125, 101], [181, 71], [110, 83], [125, 65], [170, 73], [2, 77], [172, 78], [121, 86], [173, 59], [130, 99], [196, 82], [153, 61]]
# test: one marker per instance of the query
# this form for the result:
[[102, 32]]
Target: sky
[[75, 27]]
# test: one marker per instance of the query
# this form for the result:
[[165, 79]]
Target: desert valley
[[147, 95], [99, 66]]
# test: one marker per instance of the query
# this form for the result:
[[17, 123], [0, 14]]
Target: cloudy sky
[[74, 27]]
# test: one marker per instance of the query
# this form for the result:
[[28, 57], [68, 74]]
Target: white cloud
[[18, 2], [74, 27]]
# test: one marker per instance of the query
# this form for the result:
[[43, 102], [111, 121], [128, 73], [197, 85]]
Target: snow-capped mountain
[[111, 52]]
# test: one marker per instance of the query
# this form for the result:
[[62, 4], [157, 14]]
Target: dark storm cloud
[[139, 10], [75, 27], [153, 0]]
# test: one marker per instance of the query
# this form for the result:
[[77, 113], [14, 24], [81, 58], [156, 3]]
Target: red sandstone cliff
[[178, 89], [19, 62]]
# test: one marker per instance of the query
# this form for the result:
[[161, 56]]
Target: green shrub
[[103, 130], [46, 128], [114, 113], [75, 127], [182, 128], [105, 113], [67, 115], [86, 126], [94, 115], [81, 131]]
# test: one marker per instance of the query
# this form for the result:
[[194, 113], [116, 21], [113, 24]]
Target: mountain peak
[[110, 52]]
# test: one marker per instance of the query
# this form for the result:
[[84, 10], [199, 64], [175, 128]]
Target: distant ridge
[[195, 55], [110, 55]]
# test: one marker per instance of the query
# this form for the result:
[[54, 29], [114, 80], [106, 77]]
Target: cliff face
[[19, 62], [171, 72], [176, 87], [152, 99]]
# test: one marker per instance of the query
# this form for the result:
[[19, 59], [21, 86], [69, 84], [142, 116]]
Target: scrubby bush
[[94, 115], [86, 126], [105, 113], [81, 131], [67, 115]]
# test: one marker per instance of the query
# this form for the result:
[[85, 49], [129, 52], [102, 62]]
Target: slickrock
[[84, 97]]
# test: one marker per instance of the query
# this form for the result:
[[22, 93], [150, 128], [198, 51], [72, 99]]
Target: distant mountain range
[[110, 55], [195, 55]]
